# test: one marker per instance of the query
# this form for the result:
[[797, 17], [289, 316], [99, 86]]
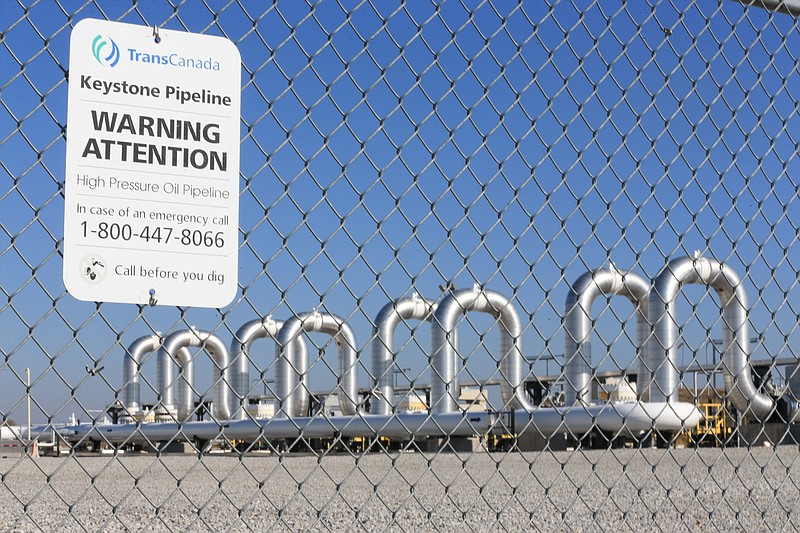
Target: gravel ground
[[619, 490]]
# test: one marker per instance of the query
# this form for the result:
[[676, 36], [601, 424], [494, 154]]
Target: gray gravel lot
[[619, 490]]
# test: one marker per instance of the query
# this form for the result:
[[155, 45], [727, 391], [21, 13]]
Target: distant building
[[619, 389], [473, 399], [410, 402], [261, 407], [330, 405]]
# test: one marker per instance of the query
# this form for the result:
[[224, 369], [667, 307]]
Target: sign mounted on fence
[[151, 209]]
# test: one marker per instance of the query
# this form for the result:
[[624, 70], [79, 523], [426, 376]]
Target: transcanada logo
[[173, 60], [105, 51]]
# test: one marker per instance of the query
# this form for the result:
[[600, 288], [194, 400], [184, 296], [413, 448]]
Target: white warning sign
[[152, 170]]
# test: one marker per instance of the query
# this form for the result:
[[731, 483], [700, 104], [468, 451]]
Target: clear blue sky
[[389, 150]]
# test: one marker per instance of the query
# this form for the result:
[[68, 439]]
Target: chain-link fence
[[439, 203]]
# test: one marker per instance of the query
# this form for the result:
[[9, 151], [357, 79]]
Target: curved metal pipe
[[131, 372], [383, 356], [287, 378], [663, 352], [578, 327], [173, 349], [244, 338], [444, 386]]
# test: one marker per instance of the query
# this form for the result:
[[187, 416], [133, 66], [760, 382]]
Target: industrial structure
[[651, 405]]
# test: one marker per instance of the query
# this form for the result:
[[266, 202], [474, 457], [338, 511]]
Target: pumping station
[[658, 409]]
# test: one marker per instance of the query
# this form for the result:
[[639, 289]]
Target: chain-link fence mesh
[[439, 204]]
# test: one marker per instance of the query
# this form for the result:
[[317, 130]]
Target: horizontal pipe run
[[627, 418], [395, 426]]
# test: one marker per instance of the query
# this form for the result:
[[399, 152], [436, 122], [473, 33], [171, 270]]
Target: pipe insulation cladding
[[287, 377], [658, 379], [383, 354], [663, 352], [578, 328], [172, 351], [131, 395], [619, 418], [444, 382], [241, 359], [405, 425]]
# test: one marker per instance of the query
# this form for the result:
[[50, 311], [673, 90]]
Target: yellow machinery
[[714, 428], [500, 442]]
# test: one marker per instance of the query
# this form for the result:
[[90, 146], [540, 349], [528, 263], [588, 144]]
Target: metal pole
[[28, 395]]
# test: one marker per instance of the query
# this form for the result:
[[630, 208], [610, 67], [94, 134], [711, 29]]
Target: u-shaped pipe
[[383, 356], [131, 372], [173, 350], [444, 393], [244, 338], [287, 378], [578, 327], [663, 351]]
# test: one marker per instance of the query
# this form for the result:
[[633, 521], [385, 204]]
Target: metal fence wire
[[440, 204]]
